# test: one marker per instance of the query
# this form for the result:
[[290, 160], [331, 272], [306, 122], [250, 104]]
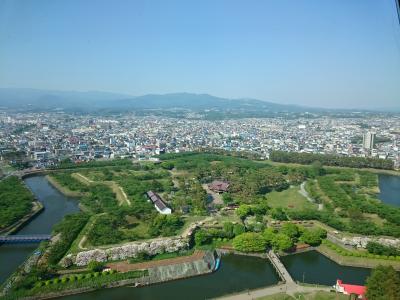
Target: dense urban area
[[158, 199], [44, 139]]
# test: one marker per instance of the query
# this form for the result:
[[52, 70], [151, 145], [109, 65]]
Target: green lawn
[[290, 198]]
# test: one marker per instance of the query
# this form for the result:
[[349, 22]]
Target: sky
[[326, 53]]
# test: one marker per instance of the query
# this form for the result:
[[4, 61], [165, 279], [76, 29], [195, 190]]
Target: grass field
[[290, 198], [307, 296], [364, 262]]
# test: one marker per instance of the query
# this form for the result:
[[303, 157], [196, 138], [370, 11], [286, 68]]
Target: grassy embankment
[[17, 204], [63, 189], [356, 258]]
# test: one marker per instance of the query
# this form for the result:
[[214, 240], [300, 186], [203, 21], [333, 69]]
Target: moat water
[[237, 273], [56, 207], [313, 267], [389, 186]]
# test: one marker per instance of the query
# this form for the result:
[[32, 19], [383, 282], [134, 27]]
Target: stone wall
[[362, 241], [182, 270], [130, 250]]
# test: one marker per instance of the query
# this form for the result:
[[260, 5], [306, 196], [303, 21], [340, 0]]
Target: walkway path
[[304, 193], [289, 289], [283, 273]]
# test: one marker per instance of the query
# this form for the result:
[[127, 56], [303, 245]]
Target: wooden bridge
[[14, 239]]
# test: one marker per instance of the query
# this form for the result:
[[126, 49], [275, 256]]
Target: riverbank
[[65, 191], [172, 269], [353, 261], [37, 208]]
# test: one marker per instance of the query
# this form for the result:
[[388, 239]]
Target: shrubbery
[[15, 201]]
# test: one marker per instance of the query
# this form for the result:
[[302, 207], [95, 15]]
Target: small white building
[[159, 204]]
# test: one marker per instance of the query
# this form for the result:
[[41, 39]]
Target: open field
[[290, 198]]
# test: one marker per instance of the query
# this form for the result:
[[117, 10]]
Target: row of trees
[[282, 240], [383, 284], [331, 160], [68, 229]]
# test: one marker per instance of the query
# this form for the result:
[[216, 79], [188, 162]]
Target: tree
[[227, 198], [383, 284], [202, 237], [269, 235], [238, 229], [165, 225], [243, 211], [291, 230], [279, 214], [317, 168], [95, 266], [228, 229], [311, 237], [281, 242], [249, 242]]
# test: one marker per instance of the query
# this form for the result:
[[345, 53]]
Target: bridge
[[33, 238], [280, 268]]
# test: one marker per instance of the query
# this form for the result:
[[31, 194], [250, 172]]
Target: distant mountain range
[[92, 101], [34, 99]]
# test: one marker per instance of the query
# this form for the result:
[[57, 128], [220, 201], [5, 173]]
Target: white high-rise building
[[368, 140]]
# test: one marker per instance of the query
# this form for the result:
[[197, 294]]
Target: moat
[[237, 273]]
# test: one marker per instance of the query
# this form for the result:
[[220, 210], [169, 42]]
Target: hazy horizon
[[341, 54]]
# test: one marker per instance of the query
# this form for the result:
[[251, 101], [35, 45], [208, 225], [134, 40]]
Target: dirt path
[[119, 192], [305, 194], [125, 266]]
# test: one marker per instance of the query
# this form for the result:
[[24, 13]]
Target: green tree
[[249, 242], [269, 235], [291, 230], [238, 229], [96, 266], [278, 214], [282, 242], [243, 211], [202, 237], [227, 198], [228, 229], [383, 284], [311, 237]]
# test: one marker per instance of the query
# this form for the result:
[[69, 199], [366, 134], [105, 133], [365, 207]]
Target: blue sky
[[338, 53]]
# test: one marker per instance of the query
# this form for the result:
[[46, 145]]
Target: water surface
[[313, 267], [389, 186], [237, 273], [56, 207]]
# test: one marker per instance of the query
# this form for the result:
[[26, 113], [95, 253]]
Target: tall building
[[368, 140]]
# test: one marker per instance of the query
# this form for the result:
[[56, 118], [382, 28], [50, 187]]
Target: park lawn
[[228, 216], [141, 230], [290, 198], [307, 296]]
